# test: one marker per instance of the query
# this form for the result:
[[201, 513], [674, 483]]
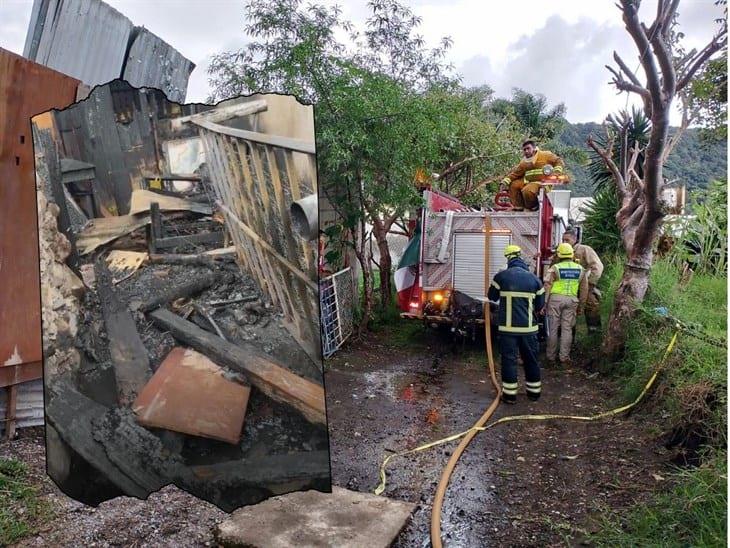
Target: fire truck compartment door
[[469, 261]]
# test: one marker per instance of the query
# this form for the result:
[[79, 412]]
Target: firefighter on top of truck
[[585, 256], [523, 180], [520, 294], [566, 284]]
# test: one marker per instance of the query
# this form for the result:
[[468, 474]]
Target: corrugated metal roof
[[29, 407], [91, 41], [152, 62], [86, 39]]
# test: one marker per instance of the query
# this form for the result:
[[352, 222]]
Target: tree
[[531, 111], [640, 215], [385, 107]]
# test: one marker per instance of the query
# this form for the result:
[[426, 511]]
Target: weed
[[21, 508]]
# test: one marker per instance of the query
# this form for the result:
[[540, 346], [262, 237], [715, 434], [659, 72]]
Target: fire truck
[[449, 283]]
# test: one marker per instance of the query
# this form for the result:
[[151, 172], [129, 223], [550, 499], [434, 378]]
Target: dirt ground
[[170, 517], [520, 484]]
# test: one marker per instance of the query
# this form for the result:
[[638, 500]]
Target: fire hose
[[481, 424]]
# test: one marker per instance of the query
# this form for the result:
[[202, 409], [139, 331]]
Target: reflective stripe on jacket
[[534, 166], [521, 295], [568, 279]]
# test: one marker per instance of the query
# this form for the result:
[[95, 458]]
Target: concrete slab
[[314, 519]]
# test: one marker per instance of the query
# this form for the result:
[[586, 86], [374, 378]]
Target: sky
[[557, 48]]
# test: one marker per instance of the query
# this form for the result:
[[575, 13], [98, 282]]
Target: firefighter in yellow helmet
[[520, 295], [524, 178], [566, 285]]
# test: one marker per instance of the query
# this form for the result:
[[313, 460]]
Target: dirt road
[[523, 484]]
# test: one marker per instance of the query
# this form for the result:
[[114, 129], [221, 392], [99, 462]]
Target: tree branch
[[717, 43], [637, 32], [610, 164]]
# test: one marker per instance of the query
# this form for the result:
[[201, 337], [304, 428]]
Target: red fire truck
[[446, 283]]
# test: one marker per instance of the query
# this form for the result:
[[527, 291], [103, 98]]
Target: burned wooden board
[[261, 370], [190, 394], [129, 356], [123, 264], [107, 229], [143, 199]]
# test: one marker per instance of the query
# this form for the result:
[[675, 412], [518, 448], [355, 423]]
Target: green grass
[[21, 508], [692, 391], [692, 513]]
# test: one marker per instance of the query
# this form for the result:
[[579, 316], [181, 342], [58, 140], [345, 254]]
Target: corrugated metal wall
[[29, 408], [152, 62], [86, 39], [91, 41]]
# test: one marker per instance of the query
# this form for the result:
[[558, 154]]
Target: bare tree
[[640, 212]]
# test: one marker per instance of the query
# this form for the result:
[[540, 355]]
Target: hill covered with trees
[[694, 161]]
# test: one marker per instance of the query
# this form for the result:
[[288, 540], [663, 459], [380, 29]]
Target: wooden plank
[[26, 89], [201, 238], [221, 113], [129, 356], [185, 289], [268, 247], [261, 370], [298, 145], [107, 229], [190, 394], [10, 408], [142, 201], [73, 416]]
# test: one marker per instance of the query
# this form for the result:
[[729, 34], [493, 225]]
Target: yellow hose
[[438, 500]]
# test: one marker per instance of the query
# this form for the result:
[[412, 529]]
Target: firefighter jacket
[[530, 169], [588, 259], [569, 279], [520, 295]]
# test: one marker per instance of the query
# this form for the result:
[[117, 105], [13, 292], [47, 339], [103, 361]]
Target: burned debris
[[193, 360]]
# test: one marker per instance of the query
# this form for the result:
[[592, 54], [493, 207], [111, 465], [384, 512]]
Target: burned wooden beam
[[202, 259], [186, 289], [261, 370], [73, 416], [200, 238], [129, 356]]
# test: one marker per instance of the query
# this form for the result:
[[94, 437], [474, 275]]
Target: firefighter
[[585, 256], [520, 294], [566, 284], [524, 178]]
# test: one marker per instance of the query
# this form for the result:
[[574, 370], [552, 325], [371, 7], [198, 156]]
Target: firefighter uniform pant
[[523, 195], [592, 311], [527, 346], [561, 314]]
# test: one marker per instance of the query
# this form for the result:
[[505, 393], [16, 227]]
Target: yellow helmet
[[512, 251], [565, 251]]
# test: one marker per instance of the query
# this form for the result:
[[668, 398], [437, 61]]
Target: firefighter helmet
[[565, 251], [512, 251]]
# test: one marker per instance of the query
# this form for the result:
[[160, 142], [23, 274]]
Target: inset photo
[[178, 252]]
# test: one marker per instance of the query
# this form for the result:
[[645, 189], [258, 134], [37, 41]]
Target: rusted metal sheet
[[190, 394], [26, 89]]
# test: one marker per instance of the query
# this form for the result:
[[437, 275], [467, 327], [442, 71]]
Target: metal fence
[[335, 298], [256, 178]]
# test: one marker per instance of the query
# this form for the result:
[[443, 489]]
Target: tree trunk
[[380, 231], [364, 258], [630, 292]]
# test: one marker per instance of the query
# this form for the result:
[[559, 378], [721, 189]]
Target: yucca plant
[[628, 129], [600, 230]]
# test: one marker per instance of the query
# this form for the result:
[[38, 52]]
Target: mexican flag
[[407, 272]]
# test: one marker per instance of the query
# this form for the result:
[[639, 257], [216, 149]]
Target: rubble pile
[[60, 292]]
